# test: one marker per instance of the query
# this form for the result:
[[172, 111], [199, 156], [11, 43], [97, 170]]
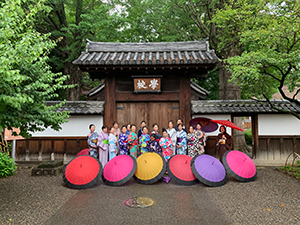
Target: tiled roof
[[81, 107], [155, 53], [240, 106]]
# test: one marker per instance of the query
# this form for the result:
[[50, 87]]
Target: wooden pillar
[[255, 143], [185, 100], [110, 100]]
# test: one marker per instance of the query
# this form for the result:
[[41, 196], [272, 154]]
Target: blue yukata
[[144, 138], [123, 143], [92, 139], [181, 140], [112, 143], [153, 146]]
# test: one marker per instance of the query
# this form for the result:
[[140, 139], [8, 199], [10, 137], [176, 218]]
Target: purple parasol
[[209, 170], [206, 124]]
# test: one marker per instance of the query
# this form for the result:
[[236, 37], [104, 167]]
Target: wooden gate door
[[151, 112]]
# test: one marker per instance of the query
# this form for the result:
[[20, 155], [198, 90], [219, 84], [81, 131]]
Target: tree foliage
[[26, 80], [271, 42]]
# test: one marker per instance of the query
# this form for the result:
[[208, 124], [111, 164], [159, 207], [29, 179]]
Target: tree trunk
[[229, 91], [75, 77]]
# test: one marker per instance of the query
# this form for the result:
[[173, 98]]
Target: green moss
[[248, 136]]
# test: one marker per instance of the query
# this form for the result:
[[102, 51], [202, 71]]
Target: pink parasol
[[83, 152], [239, 165], [228, 124], [119, 170]]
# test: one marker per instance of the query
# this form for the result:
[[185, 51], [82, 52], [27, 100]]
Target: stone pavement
[[175, 204]]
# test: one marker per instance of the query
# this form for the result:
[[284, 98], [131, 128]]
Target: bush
[[7, 165], [248, 136]]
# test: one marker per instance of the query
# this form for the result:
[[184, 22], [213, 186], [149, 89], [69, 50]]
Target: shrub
[[248, 136], [7, 165]]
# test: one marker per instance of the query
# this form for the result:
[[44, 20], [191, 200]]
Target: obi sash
[[190, 143], [95, 141], [179, 139], [105, 141]]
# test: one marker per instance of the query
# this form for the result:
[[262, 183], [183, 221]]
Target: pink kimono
[[103, 150]]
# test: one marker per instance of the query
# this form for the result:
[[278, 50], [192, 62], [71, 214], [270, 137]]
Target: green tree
[[271, 41], [75, 21], [26, 81]]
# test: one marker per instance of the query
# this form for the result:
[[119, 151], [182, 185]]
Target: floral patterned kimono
[[123, 144], [181, 140], [173, 135], [192, 142], [133, 144], [201, 142], [112, 141], [144, 138], [167, 146], [92, 139], [153, 146], [103, 150]]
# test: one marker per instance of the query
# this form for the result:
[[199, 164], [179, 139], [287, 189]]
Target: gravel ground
[[273, 198], [31, 200]]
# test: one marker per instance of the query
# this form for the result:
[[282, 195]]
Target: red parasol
[[179, 169], [85, 151], [227, 124], [82, 172]]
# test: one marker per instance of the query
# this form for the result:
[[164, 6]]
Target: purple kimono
[[103, 150], [123, 144], [153, 146]]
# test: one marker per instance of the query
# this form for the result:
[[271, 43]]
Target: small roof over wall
[[103, 54], [81, 107], [242, 107]]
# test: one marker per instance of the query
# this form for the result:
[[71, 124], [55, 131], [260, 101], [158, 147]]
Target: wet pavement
[[175, 204]]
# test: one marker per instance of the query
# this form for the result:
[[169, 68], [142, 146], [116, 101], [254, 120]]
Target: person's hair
[[155, 125], [90, 126], [143, 122], [111, 128], [153, 135], [123, 127], [180, 124], [179, 119], [128, 124], [132, 125], [171, 121], [103, 127], [198, 124], [115, 122], [144, 128], [192, 127], [224, 128], [164, 130]]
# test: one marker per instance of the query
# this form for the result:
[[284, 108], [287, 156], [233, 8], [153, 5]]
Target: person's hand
[[94, 146], [195, 150], [220, 140], [224, 137], [115, 152]]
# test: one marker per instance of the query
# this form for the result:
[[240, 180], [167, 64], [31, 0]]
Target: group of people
[[114, 141]]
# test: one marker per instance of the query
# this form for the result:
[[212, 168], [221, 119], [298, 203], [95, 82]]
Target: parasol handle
[[245, 159], [186, 162], [115, 162], [80, 165], [145, 161], [213, 162]]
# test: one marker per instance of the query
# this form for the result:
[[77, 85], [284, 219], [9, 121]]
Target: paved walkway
[[273, 198]]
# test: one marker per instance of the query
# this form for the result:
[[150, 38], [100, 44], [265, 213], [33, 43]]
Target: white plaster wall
[[77, 126], [278, 124], [216, 117]]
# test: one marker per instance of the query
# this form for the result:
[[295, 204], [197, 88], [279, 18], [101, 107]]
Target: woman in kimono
[[123, 142], [167, 145], [144, 138], [128, 129], [192, 141], [201, 136], [112, 142], [172, 134], [92, 139], [153, 145], [223, 142], [133, 142], [156, 132], [181, 144], [117, 129], [103, 144]]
